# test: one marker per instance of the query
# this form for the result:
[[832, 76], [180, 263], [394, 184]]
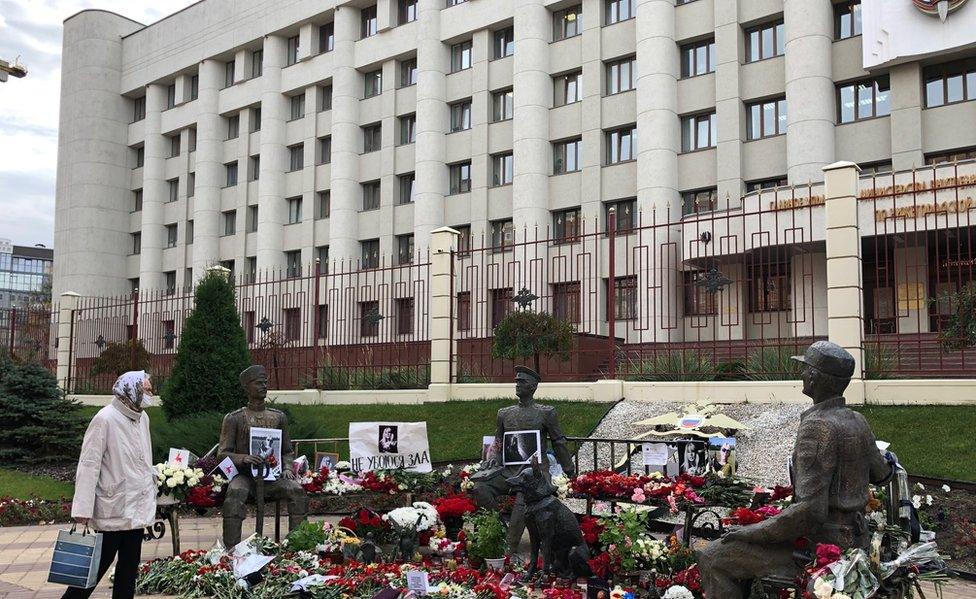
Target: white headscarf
[[129, 389]]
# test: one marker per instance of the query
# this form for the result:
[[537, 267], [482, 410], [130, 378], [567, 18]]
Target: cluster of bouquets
[[176, 481]]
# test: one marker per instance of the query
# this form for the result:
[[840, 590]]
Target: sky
[[31, 29]]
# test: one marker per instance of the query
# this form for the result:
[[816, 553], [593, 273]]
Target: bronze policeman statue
[[235, 433], [834, 460]]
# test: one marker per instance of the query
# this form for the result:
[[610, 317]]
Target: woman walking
[[115, 485]]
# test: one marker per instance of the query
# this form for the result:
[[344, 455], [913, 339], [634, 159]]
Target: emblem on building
[[938, 7]]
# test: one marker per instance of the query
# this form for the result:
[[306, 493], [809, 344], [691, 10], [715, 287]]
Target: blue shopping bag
[[76, 558]]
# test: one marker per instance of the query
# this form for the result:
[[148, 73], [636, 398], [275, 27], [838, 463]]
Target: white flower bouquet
[[176, 481], [419, 517]]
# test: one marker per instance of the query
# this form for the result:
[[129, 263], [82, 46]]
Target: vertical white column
[[809, 89], [906, 116], [442, 241], [209, 170], [272, 211], [154, 191], [728, 103], [346, 93], [530, 127], [431, 182], [66, 308]]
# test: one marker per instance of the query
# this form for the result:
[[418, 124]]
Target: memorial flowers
[[419, 517], [176, 481]]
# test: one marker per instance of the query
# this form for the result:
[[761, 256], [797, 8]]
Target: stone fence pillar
[[65, 357], [442, 240]]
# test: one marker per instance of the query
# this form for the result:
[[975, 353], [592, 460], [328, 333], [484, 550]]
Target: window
[[296, 157], [171, 232], [568, 88], [769, 288], [292, 52], [567, 23], [293, 323], [255, 166], [460, 174], [404, 249], [623, 215], [138, 109], [404, 315], [455, 2], [566, 224], [847, 19], [294, 210], [619, 10], [194, 87], [373, 83], [502, 105], [766, 118], [325, 149], [461, 116], [699, 301], [322, 256], [230, 222], [765, 41], [501, 305], [189, 232], [698, 58], [191, 184], [566, 301], [698, 132], [229, 68], [255, 119], [502, 235], [324, 204], [327, 38], [864, 100], [140, 156], [169, 332], [169, 279], [371, 195], [252, 219], [370, 250], [137, 200], [230, 170], [461, 56], [257, 64], [228, 264], [173, 190], [174, 145], [703, 200], [325, 98], [233, 126], [293, 263], [369, 324], [136, 243], [191, 139], [464, 310], [464, 238], [765, 184], [368, 27], [297, 106], [171, 95], [566, 156], [252, 275], [406, 185], [372, 138], [503, 43], [408, 129], [406, 11], [620, 75], [622, 145], [950, 83], [952, 156], [624, 301], [408, 72], [501, 169]]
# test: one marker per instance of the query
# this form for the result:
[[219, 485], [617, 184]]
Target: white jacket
[[115, 485]]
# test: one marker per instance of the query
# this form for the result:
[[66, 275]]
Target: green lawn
[[22, 486], [929, 440], [454, 428]]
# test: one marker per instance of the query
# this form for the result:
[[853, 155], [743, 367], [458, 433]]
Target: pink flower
[[638, 496]]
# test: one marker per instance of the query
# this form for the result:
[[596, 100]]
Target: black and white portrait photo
[[695, 459], [389, 439], [518, 447], [266, 444]]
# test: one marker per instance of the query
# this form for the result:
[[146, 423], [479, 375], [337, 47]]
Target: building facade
[[25, 273], [265, 135]]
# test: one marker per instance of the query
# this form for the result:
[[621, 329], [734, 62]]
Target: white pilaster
[[272, 211], [66, 306], [210, 174], [155, 191], [728, 103]]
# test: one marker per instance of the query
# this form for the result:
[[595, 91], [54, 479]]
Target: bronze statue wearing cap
[[527, 415], [834, 460], [235, 438]]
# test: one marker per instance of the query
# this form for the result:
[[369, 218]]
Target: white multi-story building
[[264, 134]]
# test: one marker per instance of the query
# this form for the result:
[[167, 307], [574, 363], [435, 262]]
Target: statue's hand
[[252, 460], [288, 474]]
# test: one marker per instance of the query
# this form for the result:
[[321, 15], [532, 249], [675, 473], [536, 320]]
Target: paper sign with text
[[389, 446], [417, 582], [655, 454]]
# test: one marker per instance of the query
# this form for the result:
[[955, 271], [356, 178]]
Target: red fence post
[[71, 352], [612, 294], [13, 329], [135, 328], [316, 324]]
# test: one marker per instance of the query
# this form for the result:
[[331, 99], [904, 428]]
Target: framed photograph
[[721, 452], [518, 448], [389, 438], [695, 459], [326, 459], [266, 444]]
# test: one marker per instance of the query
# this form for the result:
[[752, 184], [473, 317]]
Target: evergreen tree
[[37, 423], [525, 334], [211, 354]]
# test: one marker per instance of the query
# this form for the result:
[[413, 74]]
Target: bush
[[960, 331], [685, 365], [879, 361], [773, 364], [211, 355], [343, 378], [487, 540], [39, 425], [524, 334], [117, 358]]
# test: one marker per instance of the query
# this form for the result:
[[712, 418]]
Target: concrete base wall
[[947, 392]]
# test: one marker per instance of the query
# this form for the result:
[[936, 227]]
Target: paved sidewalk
[[25, 553]]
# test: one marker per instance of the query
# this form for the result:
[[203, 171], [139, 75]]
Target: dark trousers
[[128, 545]]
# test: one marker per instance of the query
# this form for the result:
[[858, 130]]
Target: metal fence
[[29, 334]]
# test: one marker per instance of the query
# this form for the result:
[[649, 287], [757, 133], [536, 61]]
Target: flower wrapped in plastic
[[849, 577], [918, 557]]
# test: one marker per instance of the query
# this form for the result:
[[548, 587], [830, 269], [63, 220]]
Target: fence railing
[[29, 333]]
